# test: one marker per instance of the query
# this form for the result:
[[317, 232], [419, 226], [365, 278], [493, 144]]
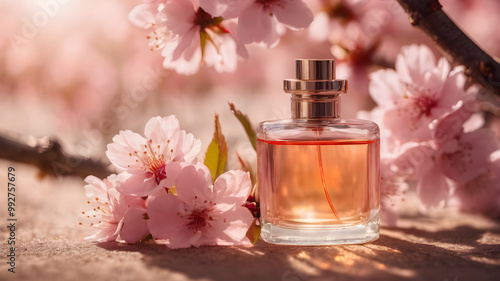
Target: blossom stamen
[[198, 219], [424, 104], [203, 19]]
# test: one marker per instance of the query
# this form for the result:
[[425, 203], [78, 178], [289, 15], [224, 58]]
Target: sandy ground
[[50, 246]]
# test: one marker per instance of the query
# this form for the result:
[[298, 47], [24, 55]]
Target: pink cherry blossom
[[116, 216], [154, 161], [429, 135], [201, 213], [433, 171], [147, 16], [192, 38], [467, 156], [415, 161], [416, 93], [482, 194], [462, 156], [260, 20], [453, 157], [392, 188], [433, 188]]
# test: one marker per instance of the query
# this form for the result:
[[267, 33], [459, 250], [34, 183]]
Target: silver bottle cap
[[316, 77]]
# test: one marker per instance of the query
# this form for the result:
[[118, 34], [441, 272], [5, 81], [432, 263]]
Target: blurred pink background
[[79, 70]]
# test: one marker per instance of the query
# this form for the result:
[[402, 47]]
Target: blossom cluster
[[433, 136], [164, 191], [191, 33]]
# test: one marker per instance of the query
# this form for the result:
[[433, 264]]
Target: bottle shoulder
[[328, 129]]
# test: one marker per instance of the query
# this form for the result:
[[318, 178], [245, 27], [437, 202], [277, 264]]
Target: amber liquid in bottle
[[317, 184], [318, 174]]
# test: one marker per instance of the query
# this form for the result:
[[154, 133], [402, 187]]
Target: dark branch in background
[[428, 16], [51, 159]]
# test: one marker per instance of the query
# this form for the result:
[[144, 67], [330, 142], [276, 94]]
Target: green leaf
[[203, 42], [252, 136], [253, 232], [217, 20], [216, 155]]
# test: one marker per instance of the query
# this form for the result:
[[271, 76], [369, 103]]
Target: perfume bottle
[[318, 174]]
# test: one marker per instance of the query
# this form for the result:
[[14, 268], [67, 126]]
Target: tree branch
[[51, 159], [428, 16]]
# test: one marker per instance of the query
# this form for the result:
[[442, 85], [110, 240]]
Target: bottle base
[[338, 235]]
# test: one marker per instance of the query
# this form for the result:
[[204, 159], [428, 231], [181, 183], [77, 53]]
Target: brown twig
[[51, 159], [428, 16]]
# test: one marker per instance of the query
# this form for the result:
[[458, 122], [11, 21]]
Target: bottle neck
[[307, 106]]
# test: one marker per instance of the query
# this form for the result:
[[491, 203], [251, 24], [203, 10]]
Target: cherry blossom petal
[[209, 237], [231, 188], [116, 204], [187, 148], [104, 235], [96, 188], [453, 88], [231, 26], [138, 185], [482, 194], [471, 157], [168, 51], [384, 87], [234, 223], [161, 130], [115, 179], [413, 160], [144, 15], [405, 127], [272, 38], [433, 189], [254, 24], [189, 62], [125, 144], [187, 44], [222, 54], [181, 65], [414, 62], [135, 226], [293, 13], [393, 176], [162, 212], [179, 16], [441, 72], [450, 125], [146, 184], [476, 121], [194, 182], [106, 217], [172, 171], [184, 238], [214, 7]]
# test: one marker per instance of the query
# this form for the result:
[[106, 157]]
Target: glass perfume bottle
[[318, 174]]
